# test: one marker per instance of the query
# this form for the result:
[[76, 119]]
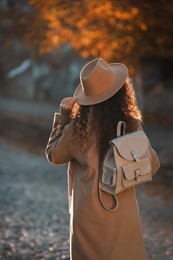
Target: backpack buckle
[[135, 156], [137, 173]]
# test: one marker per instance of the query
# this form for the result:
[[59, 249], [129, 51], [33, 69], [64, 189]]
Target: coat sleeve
[[58, 150], [155, 163]]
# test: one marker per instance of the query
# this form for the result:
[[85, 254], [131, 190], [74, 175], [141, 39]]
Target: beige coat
[[95, 233]]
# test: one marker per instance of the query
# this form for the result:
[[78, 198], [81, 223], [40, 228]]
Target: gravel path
[[34, 220], [33, 212]]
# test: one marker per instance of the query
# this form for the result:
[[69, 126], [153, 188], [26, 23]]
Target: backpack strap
[[101, 200], [121, 127]]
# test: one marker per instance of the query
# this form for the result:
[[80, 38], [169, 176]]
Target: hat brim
[[121, 73]]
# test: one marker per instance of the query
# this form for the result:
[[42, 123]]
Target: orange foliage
[[94, 28], [121, 31]]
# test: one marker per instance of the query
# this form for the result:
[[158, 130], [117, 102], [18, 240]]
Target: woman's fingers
[[67, 104], [71, 102]]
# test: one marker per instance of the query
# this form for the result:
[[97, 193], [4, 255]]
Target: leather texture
[[127, 162]]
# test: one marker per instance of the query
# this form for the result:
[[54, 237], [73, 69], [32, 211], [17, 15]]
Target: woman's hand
[[66, 105]]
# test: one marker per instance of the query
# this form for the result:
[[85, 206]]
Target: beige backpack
[[127, 162]]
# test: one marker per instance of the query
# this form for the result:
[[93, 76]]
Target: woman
[[80, 135]]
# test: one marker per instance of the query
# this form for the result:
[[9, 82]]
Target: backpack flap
[[131, 146], [136, 172]]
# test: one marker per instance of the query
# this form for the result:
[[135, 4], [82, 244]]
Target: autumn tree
[[115, 30]]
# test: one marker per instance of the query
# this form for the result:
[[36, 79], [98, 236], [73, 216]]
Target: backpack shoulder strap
[[116, 203], [121, 127]]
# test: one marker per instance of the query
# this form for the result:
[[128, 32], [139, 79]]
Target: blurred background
[[43, 47]]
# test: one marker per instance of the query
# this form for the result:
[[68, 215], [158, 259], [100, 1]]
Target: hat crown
[[99, 81], [96, 77]]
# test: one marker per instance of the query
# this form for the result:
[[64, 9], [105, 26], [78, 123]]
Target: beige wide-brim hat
[[99, 81]]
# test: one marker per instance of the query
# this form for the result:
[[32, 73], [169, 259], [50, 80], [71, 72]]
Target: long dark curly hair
[[121, 106]]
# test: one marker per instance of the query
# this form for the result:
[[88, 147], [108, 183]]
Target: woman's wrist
[[61, 119]]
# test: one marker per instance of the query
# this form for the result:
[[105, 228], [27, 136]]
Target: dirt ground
[[33, 214]]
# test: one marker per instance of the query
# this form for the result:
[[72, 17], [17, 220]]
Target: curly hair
[[121, 106]]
